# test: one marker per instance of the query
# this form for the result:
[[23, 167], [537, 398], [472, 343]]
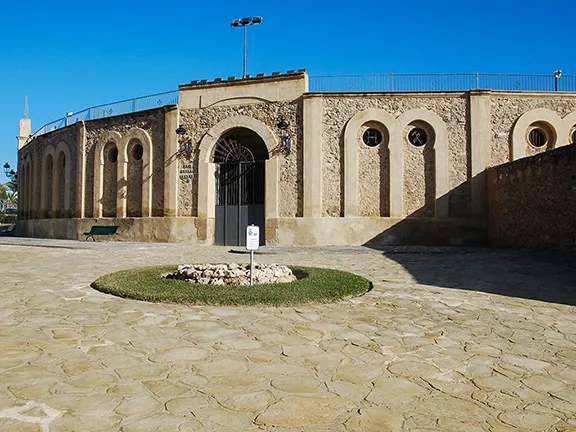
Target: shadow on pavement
[[545, 276]]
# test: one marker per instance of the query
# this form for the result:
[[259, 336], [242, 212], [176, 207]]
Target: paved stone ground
[[449, 339]]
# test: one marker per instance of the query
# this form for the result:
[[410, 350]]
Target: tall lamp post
[[557, 76], [245, 22]]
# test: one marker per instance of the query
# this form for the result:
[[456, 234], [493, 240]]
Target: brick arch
[[206, 168], [518, 148], [105, 138], [58, 208], [144, 138], [47, 172], [351, 160], [441, 157]]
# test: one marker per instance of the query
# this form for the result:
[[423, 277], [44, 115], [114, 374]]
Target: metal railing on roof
[[349, 84], [440, 82], [112, 109]]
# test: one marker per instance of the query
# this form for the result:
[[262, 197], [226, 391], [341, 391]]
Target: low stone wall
[[532, 201], [375, 232], [131, 229]]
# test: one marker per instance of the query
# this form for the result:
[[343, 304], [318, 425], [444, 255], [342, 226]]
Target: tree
[[8, 196]]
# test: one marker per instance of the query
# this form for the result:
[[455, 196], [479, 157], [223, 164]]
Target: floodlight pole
[[244, 72], [245, 22]]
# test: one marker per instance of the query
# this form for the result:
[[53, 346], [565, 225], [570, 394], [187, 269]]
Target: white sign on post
[[252, 237], [252, 244]]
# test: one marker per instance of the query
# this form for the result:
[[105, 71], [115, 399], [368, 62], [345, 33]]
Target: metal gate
[[239, 201]]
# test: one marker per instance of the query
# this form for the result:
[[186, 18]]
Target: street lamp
[[245, 22], [10, 173], [185, 146], [283, 125], [557, 76]]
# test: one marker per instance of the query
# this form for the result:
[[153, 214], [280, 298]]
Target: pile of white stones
[[232, 274]]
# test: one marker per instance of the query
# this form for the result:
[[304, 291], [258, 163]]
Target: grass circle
[[314, 285]]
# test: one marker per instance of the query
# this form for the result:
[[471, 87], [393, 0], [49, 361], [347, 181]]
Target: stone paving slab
[[449, 339]]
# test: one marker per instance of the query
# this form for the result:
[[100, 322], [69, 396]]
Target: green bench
[[101, 230]]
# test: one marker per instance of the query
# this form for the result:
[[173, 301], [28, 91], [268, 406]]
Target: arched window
[[110, 180], [134, 180], [419, 170], [47, 185]]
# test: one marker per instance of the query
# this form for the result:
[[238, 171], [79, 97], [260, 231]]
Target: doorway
[[240, 157]]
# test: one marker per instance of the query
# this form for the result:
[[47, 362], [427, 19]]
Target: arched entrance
[[240, 156]]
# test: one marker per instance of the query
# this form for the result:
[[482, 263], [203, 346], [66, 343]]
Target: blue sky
[[69, 55]]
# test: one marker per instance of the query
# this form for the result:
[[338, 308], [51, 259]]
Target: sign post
[[252, 244]]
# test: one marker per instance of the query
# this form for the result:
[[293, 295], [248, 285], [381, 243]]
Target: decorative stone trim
[[440, 130], [520, 130], [57, 206], [144, 138], [395, 127], [44, 204], [566, 130], [107, 137], [351, 140]]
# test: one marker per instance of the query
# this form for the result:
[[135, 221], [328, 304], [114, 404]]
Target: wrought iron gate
[[239, 201]]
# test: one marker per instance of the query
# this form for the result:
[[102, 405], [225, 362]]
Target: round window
[[372, 137], [137, 152], [418, 137], [113, 155], [537, 138]]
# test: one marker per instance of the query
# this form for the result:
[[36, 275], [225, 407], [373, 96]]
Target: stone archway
[[440, 148], [240, 156], [133, 138], [351, 160], [100, 157], [538, 115], [47, 182], [207, 171], [62, 181]]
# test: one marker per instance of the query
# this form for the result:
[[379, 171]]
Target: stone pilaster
[[313, 115], [480, 142], [35, 188], [122, 190], [80, 171], [171, 120]]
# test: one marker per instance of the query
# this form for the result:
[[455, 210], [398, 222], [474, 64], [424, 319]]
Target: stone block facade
[[339, 168]]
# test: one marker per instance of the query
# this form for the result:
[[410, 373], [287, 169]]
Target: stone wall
[[532, 201], [507, 108], [37, 149], [151, 121], [147, 229], [198, 122], [372, 162]]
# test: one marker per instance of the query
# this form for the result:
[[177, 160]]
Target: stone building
[[310, 168]]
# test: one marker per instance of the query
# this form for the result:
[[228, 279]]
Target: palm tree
[[12, 190], [8, 196]]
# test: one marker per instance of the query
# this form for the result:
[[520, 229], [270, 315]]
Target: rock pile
[[232, 274]]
